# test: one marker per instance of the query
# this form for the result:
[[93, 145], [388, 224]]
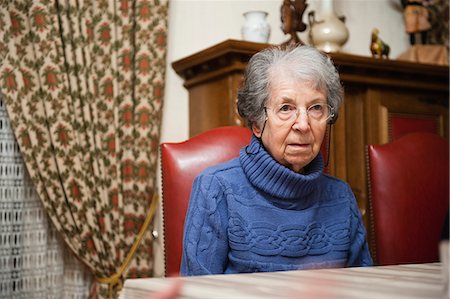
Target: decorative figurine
[[378, 48], [291, 19], [417, 19]]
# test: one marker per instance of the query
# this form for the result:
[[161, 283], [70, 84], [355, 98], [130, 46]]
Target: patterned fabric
[[83, 84], [252, 214], [34, 261]]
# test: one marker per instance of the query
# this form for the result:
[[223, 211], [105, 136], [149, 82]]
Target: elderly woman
[[273, 208]]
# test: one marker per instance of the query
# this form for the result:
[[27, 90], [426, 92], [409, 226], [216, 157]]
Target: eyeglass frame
[[298, 111]]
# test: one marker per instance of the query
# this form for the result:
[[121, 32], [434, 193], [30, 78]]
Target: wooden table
[[398, 281]]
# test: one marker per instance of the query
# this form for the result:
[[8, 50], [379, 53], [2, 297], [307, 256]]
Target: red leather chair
[[180, 164], [409, 197]]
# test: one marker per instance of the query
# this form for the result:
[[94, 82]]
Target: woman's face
[[293, 141]]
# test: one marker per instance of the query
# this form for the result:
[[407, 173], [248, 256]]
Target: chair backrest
[[180, 164], [409, 197]]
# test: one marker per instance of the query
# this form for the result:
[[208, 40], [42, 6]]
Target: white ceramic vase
[[328, 33], [256, 28]]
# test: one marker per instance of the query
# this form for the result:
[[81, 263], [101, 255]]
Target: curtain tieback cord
[[114, 279]]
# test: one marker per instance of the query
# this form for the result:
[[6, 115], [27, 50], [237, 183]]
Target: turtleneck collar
[[275, 179]]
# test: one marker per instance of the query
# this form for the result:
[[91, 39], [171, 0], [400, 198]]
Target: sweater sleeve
[[205, 243], [359, 254]]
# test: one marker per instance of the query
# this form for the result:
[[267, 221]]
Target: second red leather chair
[[409, 196]]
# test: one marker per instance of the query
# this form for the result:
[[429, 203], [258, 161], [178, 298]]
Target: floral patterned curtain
[[83, 84], [34, 263]]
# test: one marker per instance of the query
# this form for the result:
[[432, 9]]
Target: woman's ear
[[256, 130]]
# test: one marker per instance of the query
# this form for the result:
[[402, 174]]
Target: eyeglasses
[[317, 112]]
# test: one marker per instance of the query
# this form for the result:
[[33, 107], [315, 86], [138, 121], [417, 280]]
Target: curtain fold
[[83, 85], [34, 263]]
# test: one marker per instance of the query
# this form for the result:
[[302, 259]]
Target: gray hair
[[305, 63]]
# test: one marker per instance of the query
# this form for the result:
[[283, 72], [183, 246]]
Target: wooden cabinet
[[212, 78], [383, 100]]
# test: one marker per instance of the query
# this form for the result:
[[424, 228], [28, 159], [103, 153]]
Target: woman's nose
[[302, 120]]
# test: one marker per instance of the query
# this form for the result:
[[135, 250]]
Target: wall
[[198, 24]]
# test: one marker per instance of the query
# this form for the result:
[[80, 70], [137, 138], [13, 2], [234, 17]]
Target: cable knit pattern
[[252, 214], [286, 240]]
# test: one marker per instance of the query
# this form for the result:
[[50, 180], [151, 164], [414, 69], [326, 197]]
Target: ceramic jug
[[329, 33]]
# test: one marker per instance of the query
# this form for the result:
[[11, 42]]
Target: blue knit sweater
[[252, 214]]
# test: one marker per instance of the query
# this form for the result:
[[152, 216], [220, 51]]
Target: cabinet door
[[392, 114], [376, 116], [212, 103]]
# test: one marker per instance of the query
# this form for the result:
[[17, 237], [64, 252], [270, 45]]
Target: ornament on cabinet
[[416, 15], [426, 22], [256, 28], [291, 15], [378, 47], [330, 33]]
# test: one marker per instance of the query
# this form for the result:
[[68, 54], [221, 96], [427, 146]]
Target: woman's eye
[[287, 108], [316, 108]]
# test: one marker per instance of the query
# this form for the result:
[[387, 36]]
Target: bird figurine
[[378, 47]]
